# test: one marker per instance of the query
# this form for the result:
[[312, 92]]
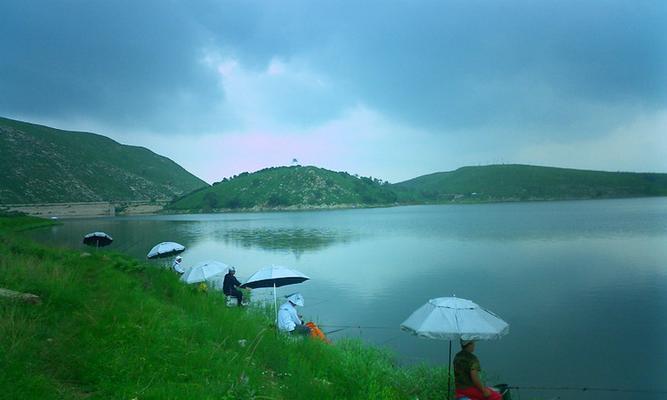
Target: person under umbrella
[[230, 286], [453, 318], [467, 382], [178, 265], [288, 319], [274, 276]]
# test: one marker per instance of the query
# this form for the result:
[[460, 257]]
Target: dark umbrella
[[97, 239], [274, 276]]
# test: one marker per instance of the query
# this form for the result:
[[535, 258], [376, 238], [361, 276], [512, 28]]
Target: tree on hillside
[[277, 200], [210, 201]]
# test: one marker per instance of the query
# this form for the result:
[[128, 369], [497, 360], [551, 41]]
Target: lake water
[[583, 284]]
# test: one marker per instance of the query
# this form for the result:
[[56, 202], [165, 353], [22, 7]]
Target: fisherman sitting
[[178, 265], [466, 375], [230, 286], [288, 319]]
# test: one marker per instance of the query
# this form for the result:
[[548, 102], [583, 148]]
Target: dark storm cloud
[[516, 64], [471, 64], [129, 64], [524, 67]]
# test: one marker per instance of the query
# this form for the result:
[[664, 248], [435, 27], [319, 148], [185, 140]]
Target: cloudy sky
[[390, 89]]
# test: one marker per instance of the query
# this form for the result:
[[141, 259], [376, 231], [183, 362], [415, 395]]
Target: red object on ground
[[317, 333], [476, 394]]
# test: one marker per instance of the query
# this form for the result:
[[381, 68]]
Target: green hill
[[311, 187], [526, 183], [288, 187], [46, 165]]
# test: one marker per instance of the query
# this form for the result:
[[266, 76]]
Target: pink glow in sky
[[231, 154]]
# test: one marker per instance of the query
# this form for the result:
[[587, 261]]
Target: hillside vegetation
[[526, 183], [288, 187], [311, 187], [46, 165], [112, 327]]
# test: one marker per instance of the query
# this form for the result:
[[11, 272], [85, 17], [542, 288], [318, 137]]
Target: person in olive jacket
[[466, 375]]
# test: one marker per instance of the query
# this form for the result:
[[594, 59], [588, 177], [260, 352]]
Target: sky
[[389, 89]]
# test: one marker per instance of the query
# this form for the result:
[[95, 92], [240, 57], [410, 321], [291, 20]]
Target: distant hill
[[311, 187], [288, 187], [45, 165], [526, 183]]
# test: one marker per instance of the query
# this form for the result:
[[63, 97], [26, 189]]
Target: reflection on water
[[297, 241], [579, 282]]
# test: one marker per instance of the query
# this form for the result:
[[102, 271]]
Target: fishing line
[[390, 339], [358, 326], [319, 303], [588, 389], [334, 331], [338, 328]]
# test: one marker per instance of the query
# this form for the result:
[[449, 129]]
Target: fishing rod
[[338, 328], [334, 331], [358, 326]]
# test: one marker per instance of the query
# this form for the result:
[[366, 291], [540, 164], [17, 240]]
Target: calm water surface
[[582, 284]]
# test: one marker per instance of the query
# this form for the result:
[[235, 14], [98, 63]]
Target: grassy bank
[[110, 326]]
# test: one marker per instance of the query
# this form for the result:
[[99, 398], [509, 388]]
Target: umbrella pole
[[275, 303], [449, 371]]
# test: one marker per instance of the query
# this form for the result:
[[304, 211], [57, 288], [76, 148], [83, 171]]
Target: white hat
[[296, 299], [179, 258]]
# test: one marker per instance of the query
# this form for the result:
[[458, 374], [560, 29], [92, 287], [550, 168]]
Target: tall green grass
[[110, 326]]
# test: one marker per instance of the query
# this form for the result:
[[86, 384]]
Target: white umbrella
[[274, 276], [451, 318], [165, 249], [204, 271]]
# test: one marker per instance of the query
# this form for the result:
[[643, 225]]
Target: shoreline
[[125, 208], [86, 209], [467, 201]]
